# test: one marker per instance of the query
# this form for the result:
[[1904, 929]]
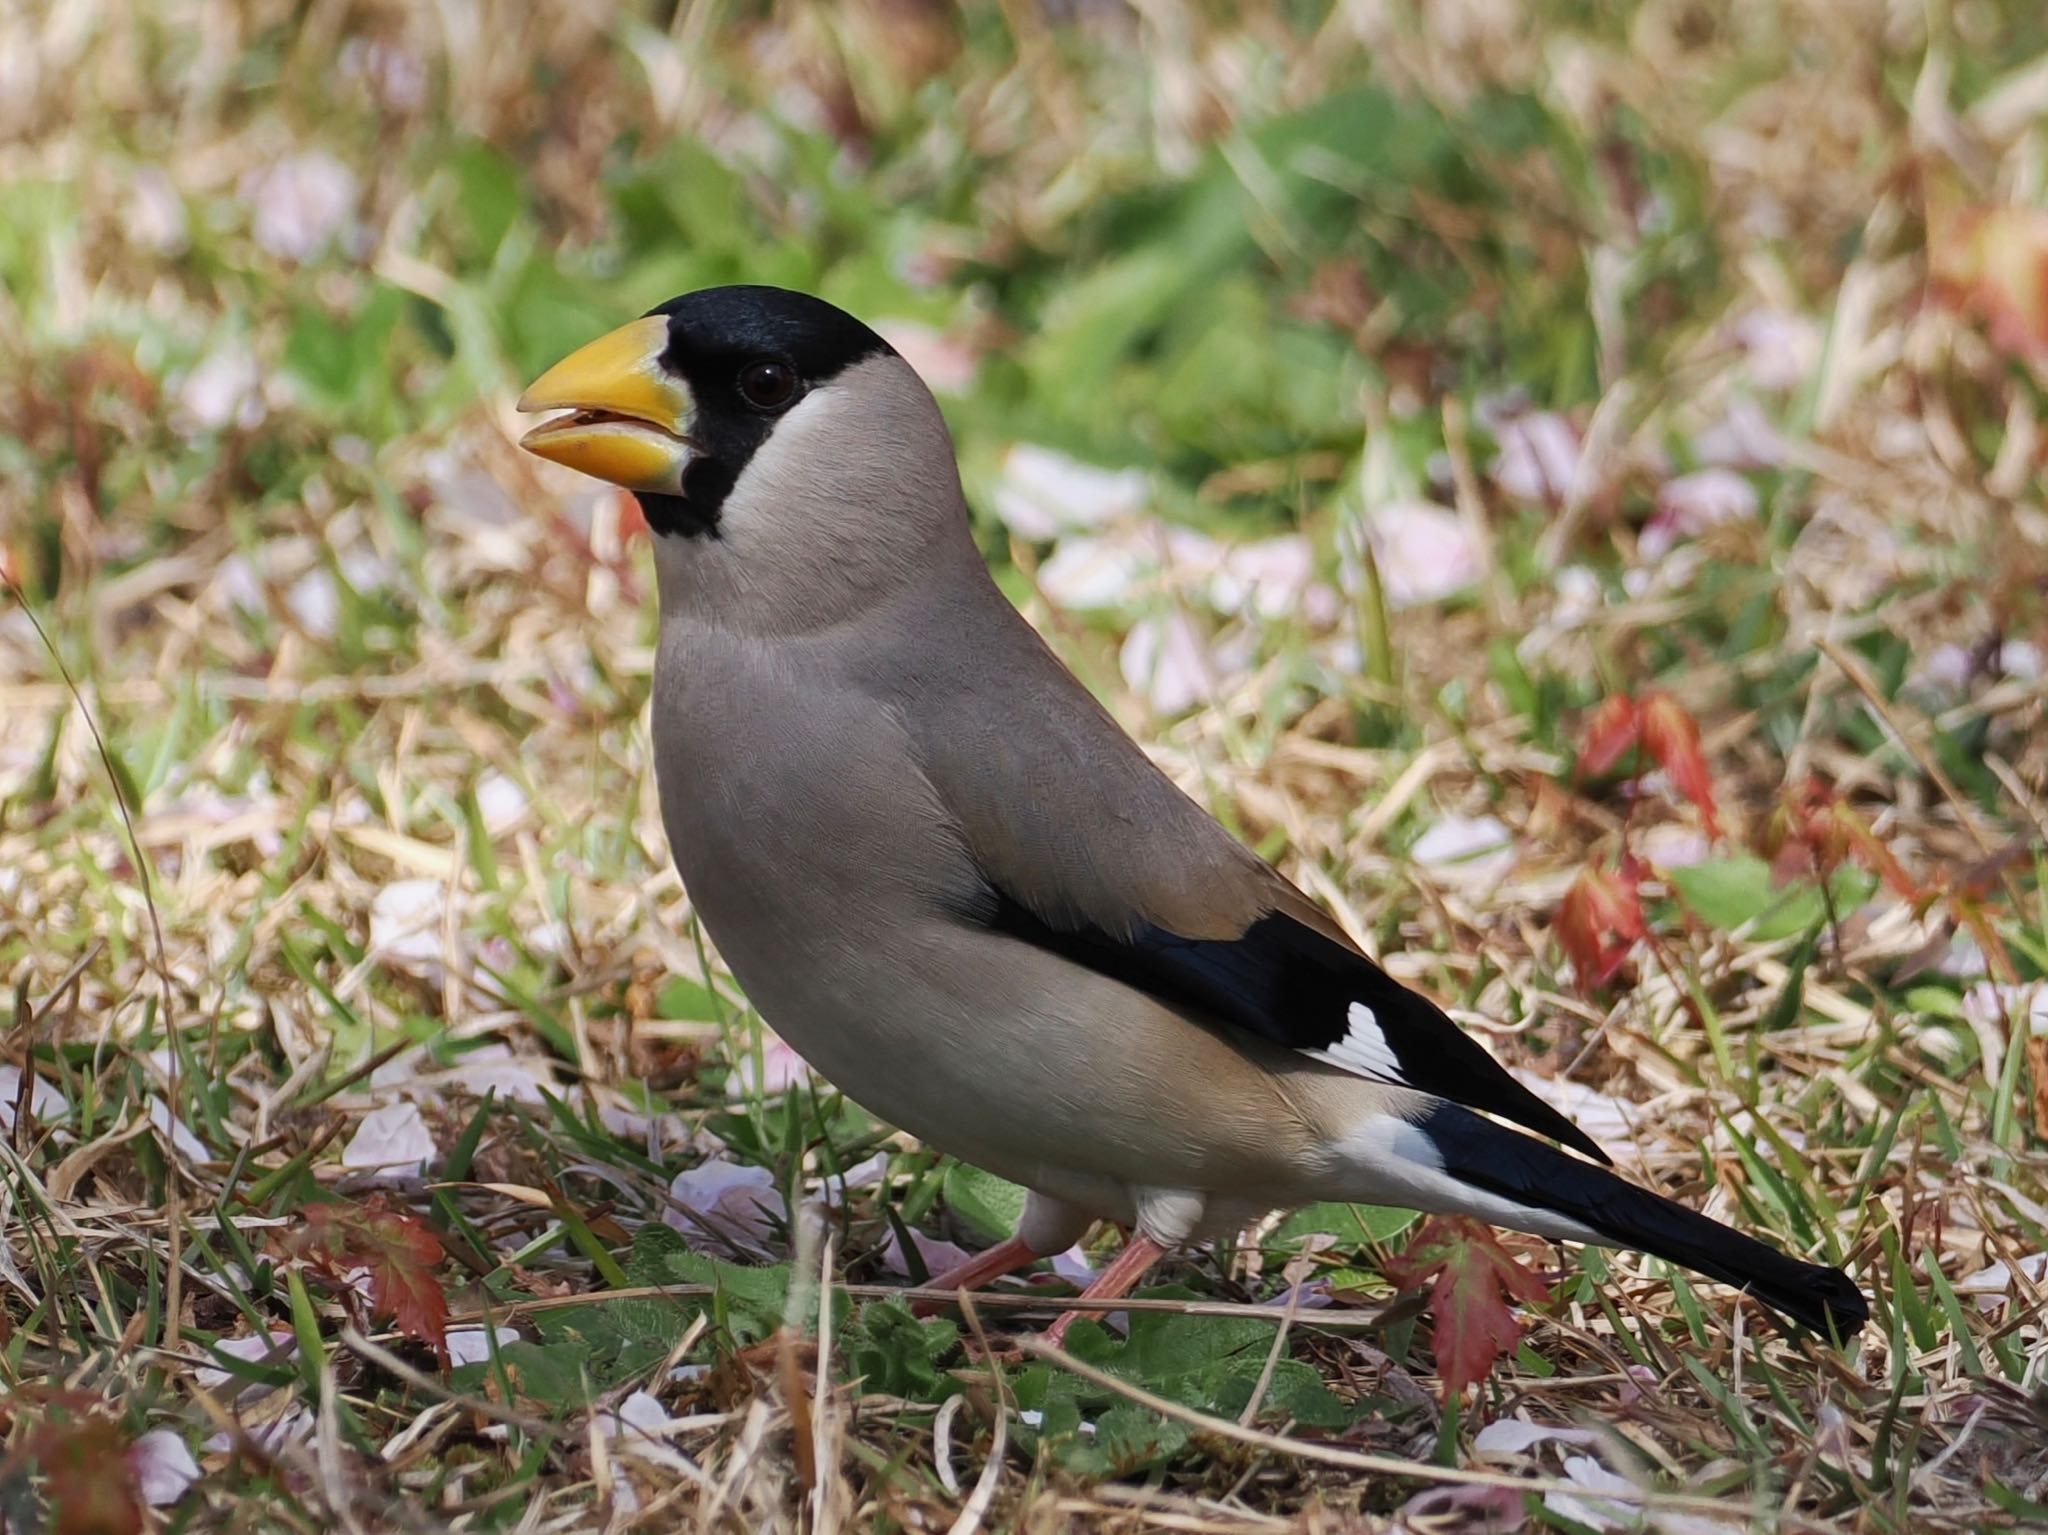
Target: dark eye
[[767, 384]]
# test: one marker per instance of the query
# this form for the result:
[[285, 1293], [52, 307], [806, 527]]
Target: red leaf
[[403, 1286], [399, 1251], [1813, 831], [1599, 921], [1672, 738], [1475, 1278], [88, 1480], [1612, 733], [80, 1456]]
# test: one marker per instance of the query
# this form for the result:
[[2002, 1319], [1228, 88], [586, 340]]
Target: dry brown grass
[[330, 650]]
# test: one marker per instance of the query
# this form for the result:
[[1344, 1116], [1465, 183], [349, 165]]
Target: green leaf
[[1354, 1226], [489, 195], [621, 1337], [1728, 892], [1129, 1439], [986, 1205], [341, 360], [554, 1374], [685, 999], [896, 1354], [1209, 1363], [749, 1299]]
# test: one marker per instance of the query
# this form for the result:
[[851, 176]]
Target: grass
[[327, 830]]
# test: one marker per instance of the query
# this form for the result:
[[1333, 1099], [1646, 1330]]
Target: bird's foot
[[1003, 1258]]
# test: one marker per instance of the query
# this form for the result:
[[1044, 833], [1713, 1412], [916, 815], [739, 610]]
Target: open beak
[[629, 417]]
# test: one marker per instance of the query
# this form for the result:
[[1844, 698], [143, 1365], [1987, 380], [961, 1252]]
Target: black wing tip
[[1553, 1124], [1822, 1300]]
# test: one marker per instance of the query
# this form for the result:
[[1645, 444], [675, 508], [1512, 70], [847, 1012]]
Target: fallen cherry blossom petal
[[474, 1345], [300, 204], [45, 1102], [1540, 458], [494, 1068], [937, 1255], [1596, 1514], [164, 1468], [726, 1204], [154, 217], [1041, 493], [225, 389], [1994, 1284], [777, 1070], [249, 1348], [1781, 349], [393, 1142], [1168, 661], [1470, 851], [1267, 578], [177, 1132], [1668, 845], [1475, 1509], [834, 1188], [499, 801], [405, 925], [293, 1427], [1074, 1267], [1742, 439], [1693, 503], [640, 1415], [1512, 1436], [1614, 1122], [314, 602], [1086, 574], [1424, 552], [945, 363]]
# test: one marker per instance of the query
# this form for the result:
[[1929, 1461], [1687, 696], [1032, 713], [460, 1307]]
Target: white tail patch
[[1364, 1048], [1389, 1161]]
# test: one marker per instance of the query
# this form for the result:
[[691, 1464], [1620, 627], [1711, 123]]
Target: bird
[[946, 876]]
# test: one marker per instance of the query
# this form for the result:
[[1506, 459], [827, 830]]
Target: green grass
[[325, 789]]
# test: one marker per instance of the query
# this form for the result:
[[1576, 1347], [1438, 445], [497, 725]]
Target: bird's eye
[[768, 384]]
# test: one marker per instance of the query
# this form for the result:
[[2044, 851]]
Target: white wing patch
[[1364, 1049]]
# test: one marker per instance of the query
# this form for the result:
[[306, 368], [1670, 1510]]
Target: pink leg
[[1120, 1278], [1003, 1258]]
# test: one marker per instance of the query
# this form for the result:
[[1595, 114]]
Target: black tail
[[1487, 1156]]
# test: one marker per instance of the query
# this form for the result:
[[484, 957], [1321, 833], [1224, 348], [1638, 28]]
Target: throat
[[688, 516]]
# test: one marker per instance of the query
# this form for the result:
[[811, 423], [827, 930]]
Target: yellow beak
[[629, 417]]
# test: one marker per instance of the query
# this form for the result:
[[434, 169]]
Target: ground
[[1564, 482]]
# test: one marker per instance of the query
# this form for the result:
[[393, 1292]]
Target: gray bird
[[946, 876]]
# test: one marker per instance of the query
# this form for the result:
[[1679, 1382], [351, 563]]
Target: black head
[[674, 405]]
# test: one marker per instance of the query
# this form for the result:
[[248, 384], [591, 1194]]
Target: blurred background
[[1564, 479]]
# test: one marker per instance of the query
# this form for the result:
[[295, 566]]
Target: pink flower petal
[[163, 1467], [1168, 661], [722, 1205], [1424, 552], [1742, 439], [1540, 458], [938, 1256], [779, 1069], [946, 364], [300, 204], [393, 1142], [1041, 493]]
